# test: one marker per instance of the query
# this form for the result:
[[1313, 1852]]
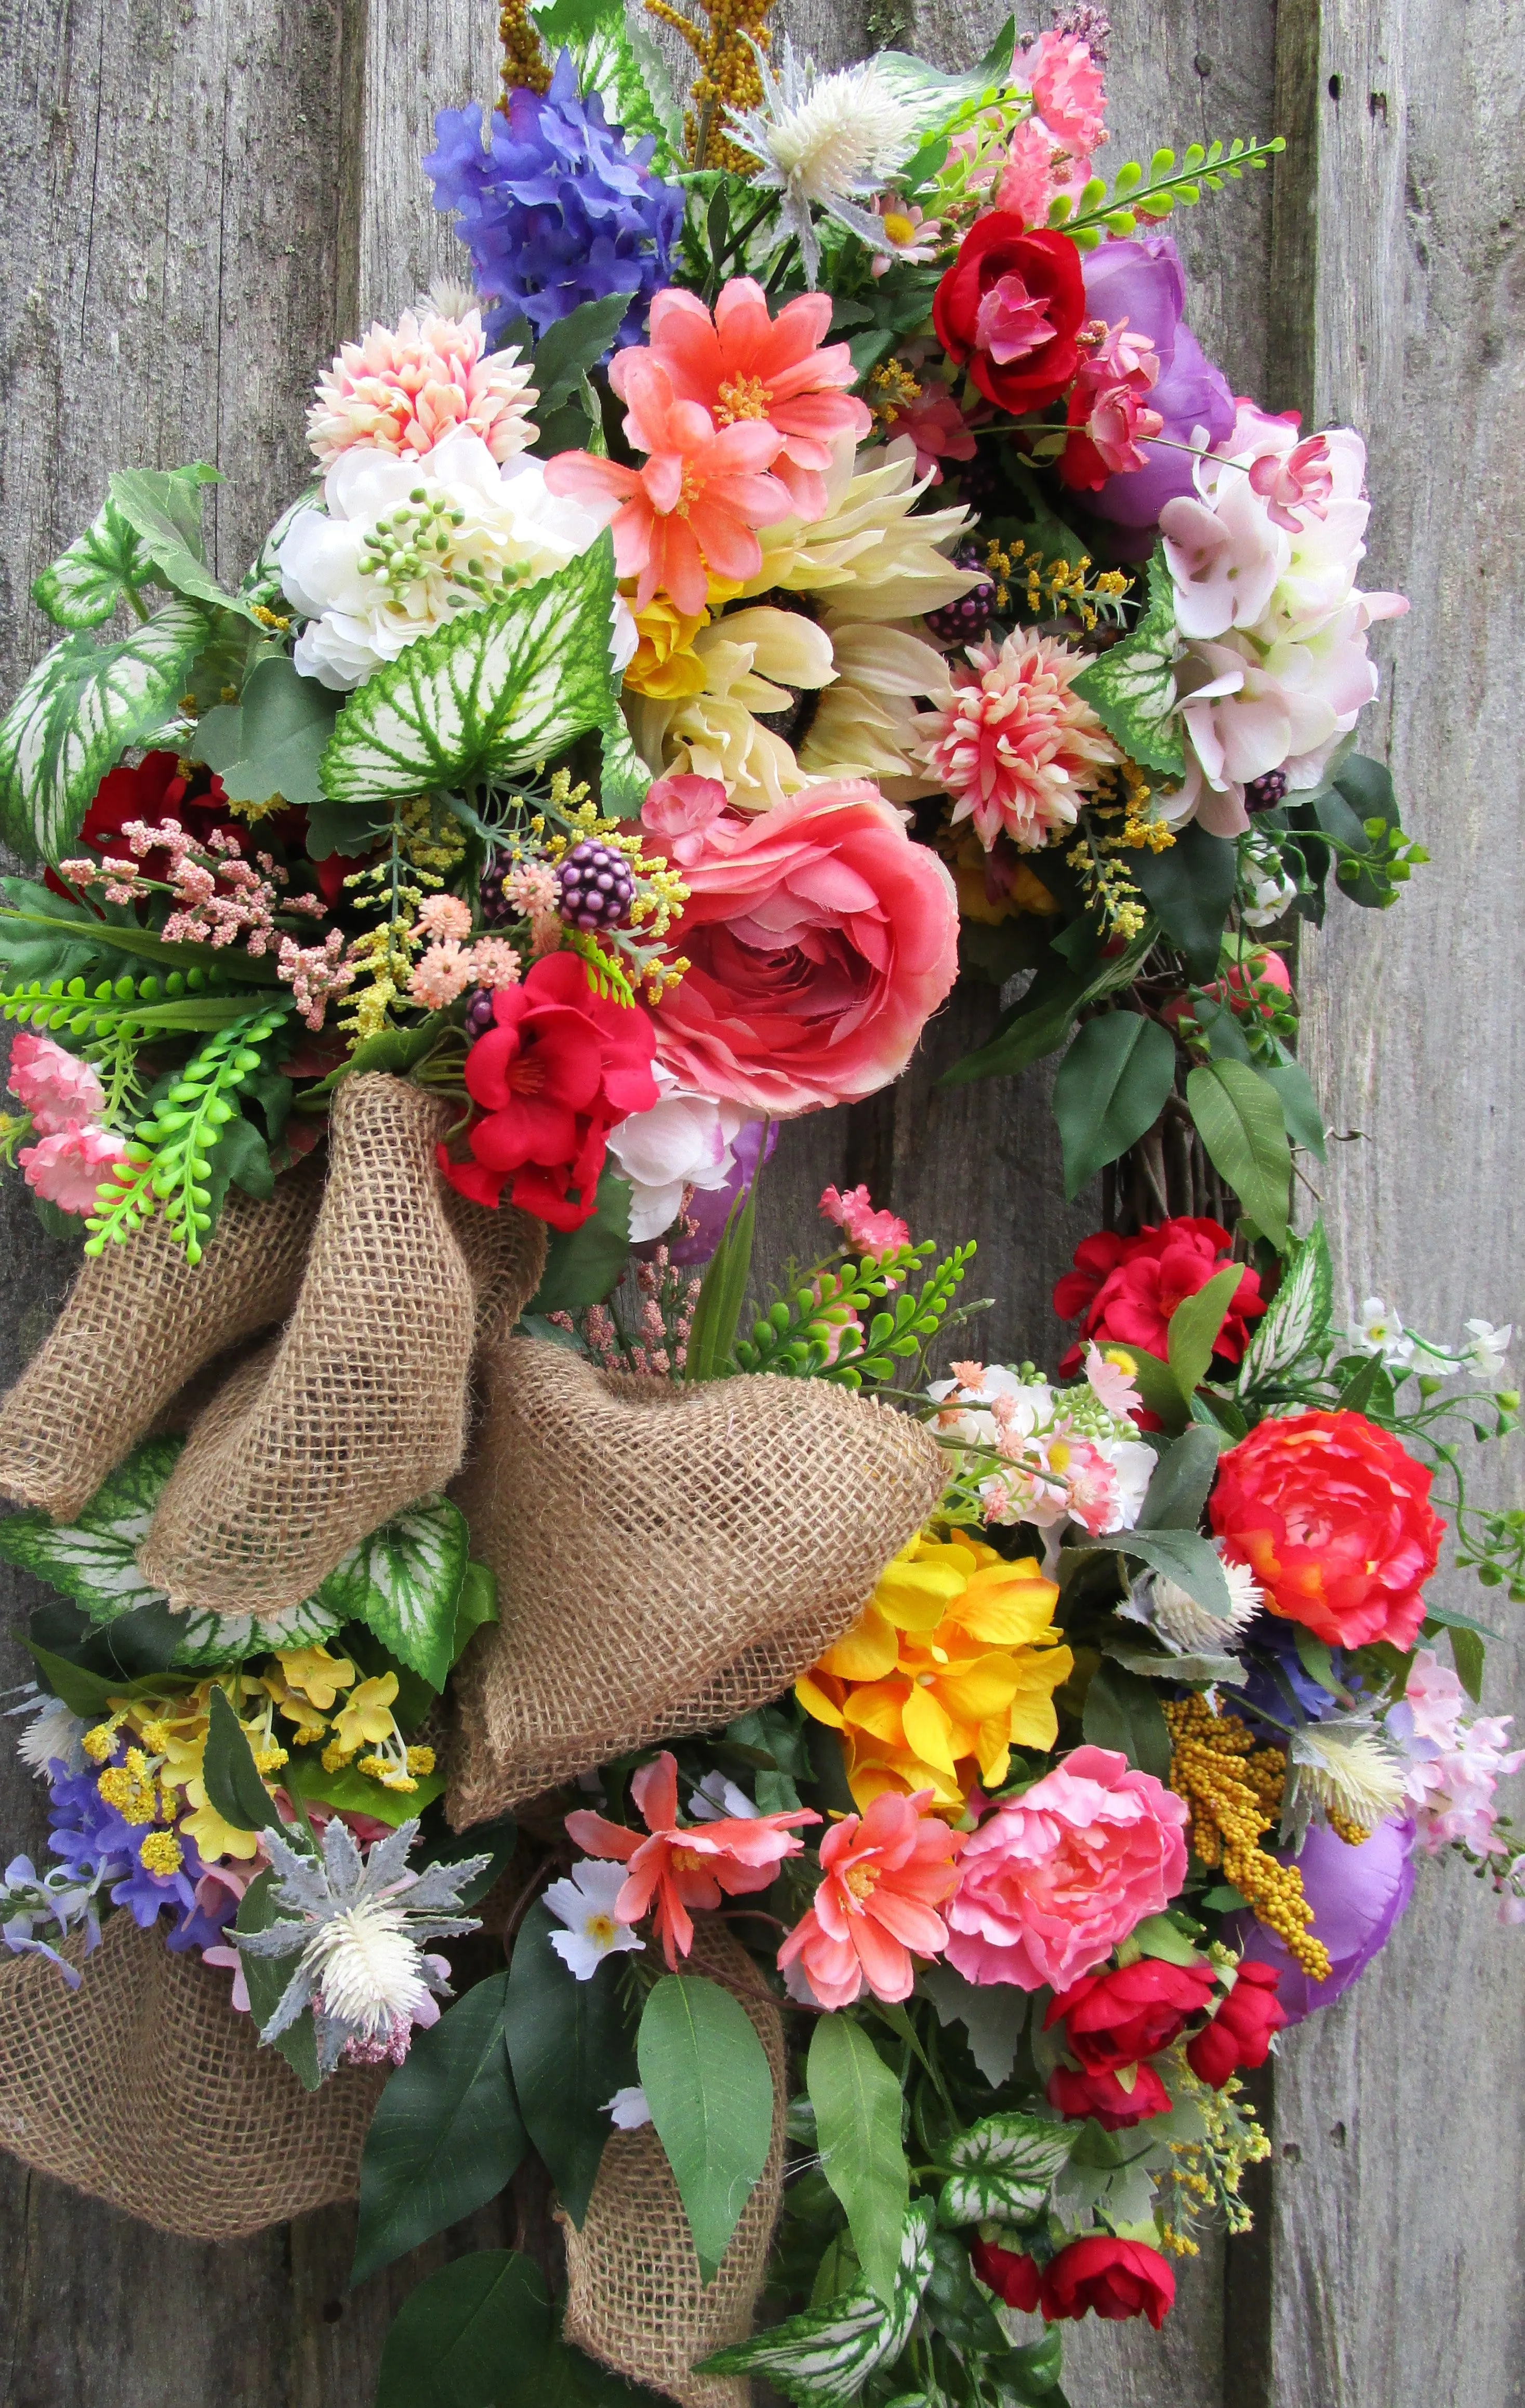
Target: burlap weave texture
[[635, 2299], [667, 1557], [144, 2088]]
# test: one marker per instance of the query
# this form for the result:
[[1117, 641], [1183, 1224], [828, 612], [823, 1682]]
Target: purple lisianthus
[[1143, 281], [558, 208], [1356, 1895], [710, 1209]]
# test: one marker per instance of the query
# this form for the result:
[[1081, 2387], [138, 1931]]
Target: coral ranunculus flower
[[820, 939], [560, 1067], [1333, 1517], [1117, 2279], [744, 364], [696, 504], [883, 1877], [684, 1867], [1123, 1290], [1011, 306], [1015, 748], [953, 1659]]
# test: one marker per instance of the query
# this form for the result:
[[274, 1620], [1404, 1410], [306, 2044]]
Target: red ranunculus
[[1117, 2278], [1240, 2034], [1011, 306], [1104, 2097], [1118, 2018], [561, 1065], [1333, 1517], [1010, 2274], [1123, 1290]]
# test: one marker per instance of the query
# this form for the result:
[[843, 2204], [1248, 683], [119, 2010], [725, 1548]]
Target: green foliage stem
[[1135, 194]]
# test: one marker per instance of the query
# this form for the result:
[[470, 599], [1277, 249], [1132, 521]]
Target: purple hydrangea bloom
[[1356, 1895], [1144, 283], [557, 210]]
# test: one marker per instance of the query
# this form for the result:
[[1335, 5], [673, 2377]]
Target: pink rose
[[820, 941], [69, 1167], [55, 1087], [1052, 1880]]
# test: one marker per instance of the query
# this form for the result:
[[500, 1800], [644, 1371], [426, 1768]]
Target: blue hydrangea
[[556, 210]]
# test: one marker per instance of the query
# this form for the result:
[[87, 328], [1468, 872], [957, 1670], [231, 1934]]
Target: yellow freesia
[[312, 1673], [365, 1716], [953, 1661]]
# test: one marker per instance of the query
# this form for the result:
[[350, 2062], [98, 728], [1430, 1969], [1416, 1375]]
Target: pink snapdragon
[[868, 1231], [1069, 92], [58, 1090], [70, 1168]]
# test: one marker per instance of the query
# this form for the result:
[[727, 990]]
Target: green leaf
[[1239, 1120], [472, 2335], [1195, 1325], [1179, 1484], [954, 2305], [446, 2135], [823, 2359], [233, 1786], [335, 827], [404, 1582], [100, 569], [570, 2051], [81, 706], [1189, 888], [85, 1694], [476, 1606], [711, 1336], [1300, 1106], [1110, 1086], [266, 1978], [1158, 1935], [487, 695], [1043, 1017], [1181, 1555], [1131, 688], [1159, 1388], [710, 2088], [1001, 2170], [495, 1841], [164, 508], [572, 345], [1295, 1326], [584, 1266], [356, 1792], [992, 2014], [272, 740], [1467, 1654], [1123, 1711], [857, 2104]]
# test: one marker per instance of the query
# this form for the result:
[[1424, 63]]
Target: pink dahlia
[[401, 392], [56, 1088], [1017, 748], [70, 1167]]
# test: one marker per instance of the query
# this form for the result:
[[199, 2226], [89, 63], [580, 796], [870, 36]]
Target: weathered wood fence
[[201, 196]]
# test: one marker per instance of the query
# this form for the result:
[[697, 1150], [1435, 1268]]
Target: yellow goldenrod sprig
[[1233, 1790]]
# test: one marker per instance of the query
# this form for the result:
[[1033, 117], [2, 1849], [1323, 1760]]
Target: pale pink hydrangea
[[70, 1166], [1017, 748], [444, 916], [402, 393], [58, 1090]]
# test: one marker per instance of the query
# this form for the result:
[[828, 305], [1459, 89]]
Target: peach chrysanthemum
[[444, 916], [444, 972], [401, 392], [1015, 748], [495, 963]]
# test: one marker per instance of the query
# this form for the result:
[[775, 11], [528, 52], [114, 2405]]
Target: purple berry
[[1264, 794], [479, 1013], [496, 905], [595, 886], [966, 621]]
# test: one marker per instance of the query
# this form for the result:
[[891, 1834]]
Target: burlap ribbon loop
[[144, 2088], [634, 2297], [667, 1557]]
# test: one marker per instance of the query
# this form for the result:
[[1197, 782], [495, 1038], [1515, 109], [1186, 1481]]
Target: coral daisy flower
[[1017, 748]]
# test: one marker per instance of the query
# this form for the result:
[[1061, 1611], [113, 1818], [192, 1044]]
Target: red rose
[[1011, 306], [1102, 2095], [1117, 2278], [1240, 2033], [1334, 1518], [562, 1065], [1013, 2278], [1118, 2018], [1123, 1290]]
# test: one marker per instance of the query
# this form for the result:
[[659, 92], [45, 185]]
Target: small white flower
[[1188, 1626], [628, 2110], [831, 141], [1489, 1348], [1377, 1331], [716, 1797], [52, 1735], [1270, 896], [585, 1904]]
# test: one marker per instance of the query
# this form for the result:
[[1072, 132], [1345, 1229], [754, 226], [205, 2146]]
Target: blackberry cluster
[[966, 621], [983, 482], [496, 906], [596, 888], [479, 1013], [1264, 794]]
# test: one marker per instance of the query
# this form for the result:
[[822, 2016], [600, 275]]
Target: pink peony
[[1015, 748], [401, 392], [820, 941], [1054, 1878], [69, 1167], [58, 1090]]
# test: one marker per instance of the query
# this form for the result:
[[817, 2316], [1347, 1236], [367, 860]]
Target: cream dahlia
[[1017, 748]]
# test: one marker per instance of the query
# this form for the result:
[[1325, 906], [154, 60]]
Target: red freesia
[[1241, 2033], [883, 1876], [1117, 2017], [685, 1867], [1010, 307], [742, 365], [1123, 1290], [560, 1067], [820, 939], [1106, 2098], [1009, 2272], [1119, 2279], [1333, 1517]]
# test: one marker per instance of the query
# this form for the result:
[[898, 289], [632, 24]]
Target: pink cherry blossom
[[57, 1088], [69, 1167], [1302, 480]]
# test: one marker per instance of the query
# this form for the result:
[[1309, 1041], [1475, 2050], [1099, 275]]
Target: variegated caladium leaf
[[485, 697], [1295, 1329], [403, 1582], [823, 2359], [100, 569], [1000, 2169], [1131, 688]]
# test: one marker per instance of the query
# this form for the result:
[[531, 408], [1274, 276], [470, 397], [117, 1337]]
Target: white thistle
[[824, 141], [362, 1920], [1344, 1766], [52, 1734], [1188, 1627]]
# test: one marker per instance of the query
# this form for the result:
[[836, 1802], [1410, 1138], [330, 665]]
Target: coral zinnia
[[1017, 748]]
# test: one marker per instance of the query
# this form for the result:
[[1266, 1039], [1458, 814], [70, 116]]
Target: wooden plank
[[1398, 2220]]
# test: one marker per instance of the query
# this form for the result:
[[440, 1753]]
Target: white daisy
[[585, 1904], [828, 142]]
